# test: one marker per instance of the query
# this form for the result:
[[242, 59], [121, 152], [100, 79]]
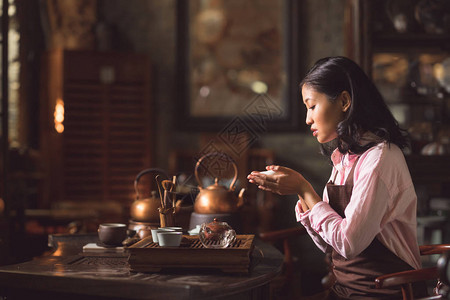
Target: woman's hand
[[285, 181], [282, 180]]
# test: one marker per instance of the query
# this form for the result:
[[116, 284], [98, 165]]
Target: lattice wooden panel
[[107, 125]]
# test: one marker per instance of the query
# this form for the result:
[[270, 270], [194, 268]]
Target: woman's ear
[[346, 101]]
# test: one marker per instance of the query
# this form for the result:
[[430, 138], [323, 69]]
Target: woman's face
[[322, 115]]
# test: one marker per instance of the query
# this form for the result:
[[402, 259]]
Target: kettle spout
[[241, 198]]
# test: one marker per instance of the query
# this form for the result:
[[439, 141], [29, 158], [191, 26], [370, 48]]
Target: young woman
[[366, 218]]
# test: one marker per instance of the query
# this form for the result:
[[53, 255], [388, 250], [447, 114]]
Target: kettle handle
[[146, 171], [216, 154]]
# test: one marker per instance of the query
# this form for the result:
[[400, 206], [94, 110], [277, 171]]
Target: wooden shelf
[[402, 42], [370, 31]]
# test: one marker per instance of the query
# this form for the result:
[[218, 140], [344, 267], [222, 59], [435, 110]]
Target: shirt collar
[[336, 157], [343, 160]]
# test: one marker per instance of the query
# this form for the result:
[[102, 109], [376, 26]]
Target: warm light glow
[[204, 91], [59, 128], [439, 71], [59, 116], [259, 87]]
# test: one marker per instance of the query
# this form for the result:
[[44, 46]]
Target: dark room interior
[[103, 98]]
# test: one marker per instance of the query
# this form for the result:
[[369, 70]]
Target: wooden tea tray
[[147, 256]]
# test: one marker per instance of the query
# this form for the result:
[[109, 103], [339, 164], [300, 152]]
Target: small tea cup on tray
[[155, 232], [169, 238]]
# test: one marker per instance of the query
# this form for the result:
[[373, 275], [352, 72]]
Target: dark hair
[[368, 111]]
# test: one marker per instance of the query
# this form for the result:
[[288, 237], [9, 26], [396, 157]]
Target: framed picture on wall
[[237, 60]]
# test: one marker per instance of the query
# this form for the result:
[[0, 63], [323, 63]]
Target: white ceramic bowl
[[174, 228], [169, 238], [155, 233], [195, 231]]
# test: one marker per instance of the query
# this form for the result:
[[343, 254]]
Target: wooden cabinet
[[408, 59], [102, 100], [409, 62]]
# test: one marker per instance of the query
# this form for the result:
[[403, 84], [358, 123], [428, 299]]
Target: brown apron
[[355, 277]]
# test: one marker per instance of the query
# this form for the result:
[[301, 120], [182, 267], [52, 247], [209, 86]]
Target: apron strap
[[349, 180], [349, 177]]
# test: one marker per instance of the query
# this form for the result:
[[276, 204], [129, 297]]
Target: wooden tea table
[[67, 273]]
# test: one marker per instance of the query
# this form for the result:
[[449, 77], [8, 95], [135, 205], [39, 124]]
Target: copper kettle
[[146, 209], [216, 198]]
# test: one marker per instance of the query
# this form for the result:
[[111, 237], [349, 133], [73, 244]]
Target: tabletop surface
[[68, 270]]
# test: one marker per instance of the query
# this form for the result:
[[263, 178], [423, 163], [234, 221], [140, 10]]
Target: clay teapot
[[146, 209], [216, 198]]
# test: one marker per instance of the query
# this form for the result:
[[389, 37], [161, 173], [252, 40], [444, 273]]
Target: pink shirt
[[383, 206]]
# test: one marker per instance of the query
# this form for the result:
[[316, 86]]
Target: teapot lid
[[216, 185], [218, 226]]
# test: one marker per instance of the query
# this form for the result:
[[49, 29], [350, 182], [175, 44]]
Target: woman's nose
[[309, 119]]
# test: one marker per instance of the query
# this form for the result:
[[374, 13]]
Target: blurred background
[[95, 91]]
